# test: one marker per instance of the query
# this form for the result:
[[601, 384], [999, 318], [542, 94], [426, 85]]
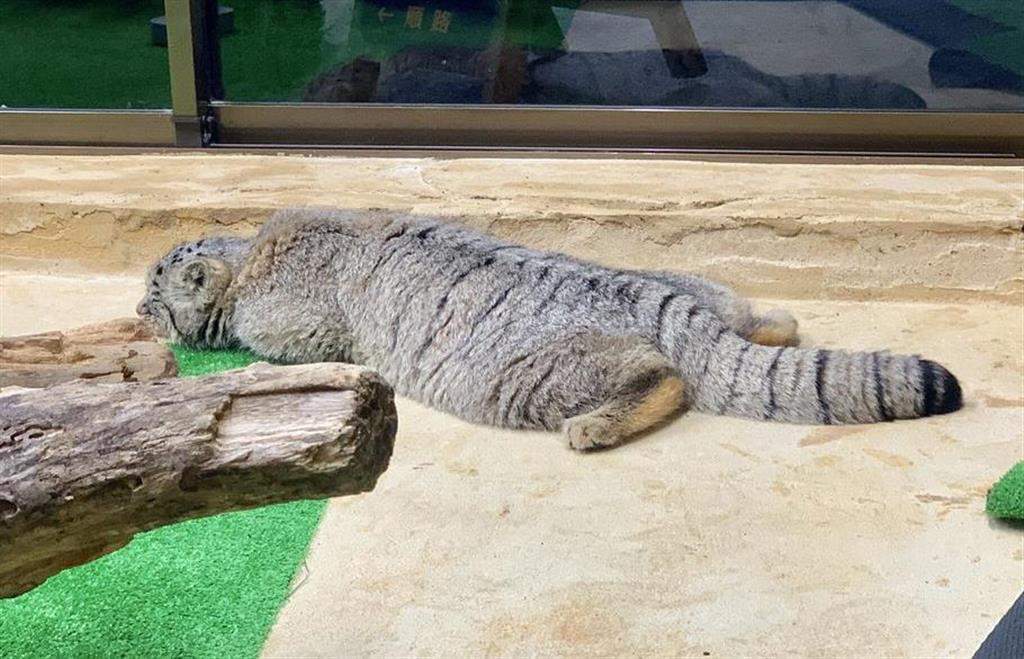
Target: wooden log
[[122, 350], [85, 465]]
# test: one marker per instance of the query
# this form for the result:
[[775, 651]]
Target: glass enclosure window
[[82, 54], [965, 55]]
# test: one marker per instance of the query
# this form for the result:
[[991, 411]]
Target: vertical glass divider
[[182, 62]]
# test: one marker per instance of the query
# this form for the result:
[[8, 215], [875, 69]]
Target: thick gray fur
[[508, 336]]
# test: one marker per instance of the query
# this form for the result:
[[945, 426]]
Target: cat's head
[[184, 290]]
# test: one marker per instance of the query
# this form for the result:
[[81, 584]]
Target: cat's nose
[[143, 308]]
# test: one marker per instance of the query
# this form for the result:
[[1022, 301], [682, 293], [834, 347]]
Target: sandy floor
[[713, 535], [847, 231]]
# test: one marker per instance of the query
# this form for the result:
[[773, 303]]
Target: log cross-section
[[84, 465]]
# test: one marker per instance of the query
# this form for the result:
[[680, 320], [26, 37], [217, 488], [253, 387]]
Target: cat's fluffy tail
[[735, 377]]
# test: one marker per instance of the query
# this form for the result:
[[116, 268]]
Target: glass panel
[[870, 54], [82, 54]]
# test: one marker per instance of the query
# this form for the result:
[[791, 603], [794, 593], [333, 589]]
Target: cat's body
[[508, 336]]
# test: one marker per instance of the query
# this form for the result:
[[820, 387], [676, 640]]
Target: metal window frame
[[195, 120], [138, 128], [620, 129], [181, 60]]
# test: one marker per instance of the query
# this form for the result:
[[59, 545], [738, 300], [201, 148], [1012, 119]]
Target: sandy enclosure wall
[[911, 232]]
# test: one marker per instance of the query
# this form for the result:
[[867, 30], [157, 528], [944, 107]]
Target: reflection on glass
[[82, 54], [870, 54]]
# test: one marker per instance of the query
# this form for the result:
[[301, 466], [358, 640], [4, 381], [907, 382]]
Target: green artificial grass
[[209, 587], [99, 53], [81, 54], [275, 50], [201, 362], [1006, 498]]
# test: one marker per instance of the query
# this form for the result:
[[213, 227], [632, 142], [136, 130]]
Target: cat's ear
[[194, 275], [204, 275]]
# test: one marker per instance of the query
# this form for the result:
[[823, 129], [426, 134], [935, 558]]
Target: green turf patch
[[1006, 498], [201, 362], [204, 588]]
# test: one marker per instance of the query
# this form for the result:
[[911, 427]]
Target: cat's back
[[441, 308]]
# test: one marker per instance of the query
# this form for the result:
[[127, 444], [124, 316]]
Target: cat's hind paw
[[777, 327]]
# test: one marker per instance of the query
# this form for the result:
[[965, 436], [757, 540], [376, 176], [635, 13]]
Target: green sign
[[379, 30]]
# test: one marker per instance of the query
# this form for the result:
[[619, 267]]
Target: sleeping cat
[[514, 337]]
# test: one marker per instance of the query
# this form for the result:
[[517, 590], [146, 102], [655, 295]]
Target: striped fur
[[504, 335]]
